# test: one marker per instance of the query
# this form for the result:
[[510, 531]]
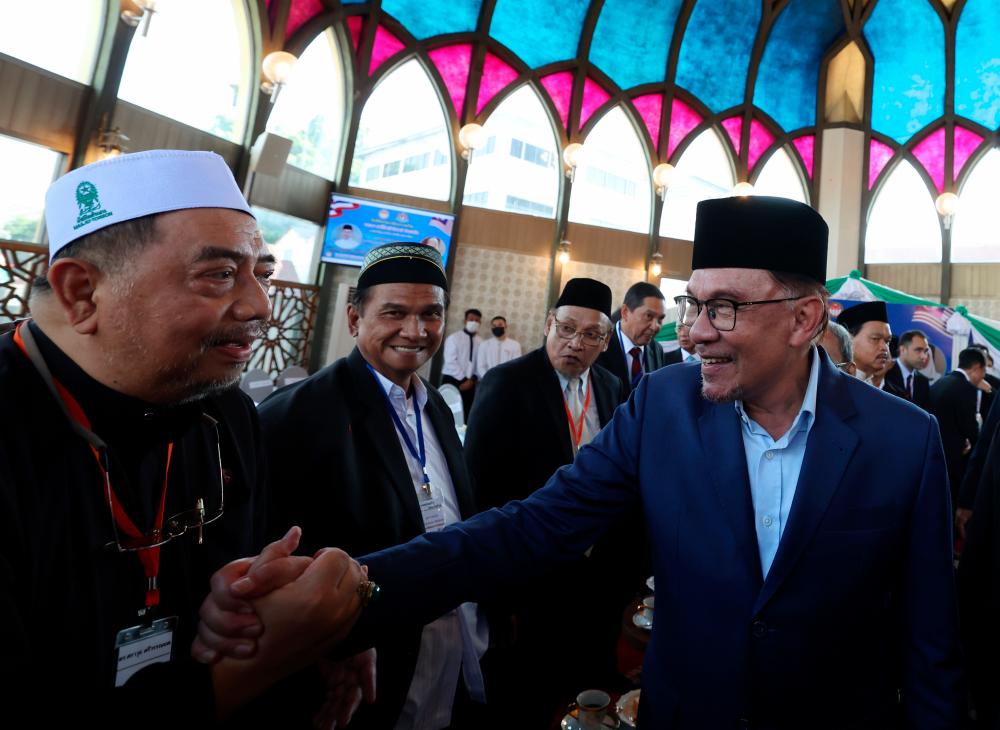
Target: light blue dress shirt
[[774, 466]]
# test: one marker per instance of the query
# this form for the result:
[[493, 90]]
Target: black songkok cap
[[403, 263], [759, 232], [588, 293], [865, 312]]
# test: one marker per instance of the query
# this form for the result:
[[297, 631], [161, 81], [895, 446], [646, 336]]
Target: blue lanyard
[[421, 455], [621, 344]]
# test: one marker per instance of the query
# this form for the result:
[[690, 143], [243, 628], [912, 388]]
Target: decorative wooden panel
[[289, 334], [20, 263]]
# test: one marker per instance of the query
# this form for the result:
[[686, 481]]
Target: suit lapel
[[616, 357], [722, 444], [829, 448], [381, 431], [444, 428], [604, 395]]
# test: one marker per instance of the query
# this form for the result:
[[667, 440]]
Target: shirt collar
[[964, 375], [687, 354], [807, 411], [564, 381], [903, 369], [397, 396], [627, 343]]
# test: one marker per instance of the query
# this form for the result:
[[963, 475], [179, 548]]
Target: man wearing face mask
[[498, 350], [460, 351]]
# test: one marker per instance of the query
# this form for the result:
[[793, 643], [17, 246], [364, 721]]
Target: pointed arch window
[[704, 171], [22, 196], [518, 167], [781, 178], [194, 66], [903, 225], [974, 233], [62, 37], [311, 108], [612, 186], [403, 145]]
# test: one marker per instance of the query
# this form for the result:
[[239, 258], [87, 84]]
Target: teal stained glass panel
[[632, 40], [907, 41], [539, 31], [789, 69], [977, 63], [427, 18], [715, 51]]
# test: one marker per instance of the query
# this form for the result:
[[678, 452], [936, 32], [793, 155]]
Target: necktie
[[909, 385], [573, 397], [636, 354], [472, 340], [690, 358]]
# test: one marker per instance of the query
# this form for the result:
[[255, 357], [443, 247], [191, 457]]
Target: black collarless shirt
[[65, 593]]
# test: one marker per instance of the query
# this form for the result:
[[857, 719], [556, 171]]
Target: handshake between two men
[[270, 616]]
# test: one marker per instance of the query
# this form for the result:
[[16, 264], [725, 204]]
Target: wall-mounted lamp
[[145, 14], [742, 189], [656, 266], [946, 204], [277, 68], [471, 137], [111, 141], [563, 255], [663, 178], [572, 156]]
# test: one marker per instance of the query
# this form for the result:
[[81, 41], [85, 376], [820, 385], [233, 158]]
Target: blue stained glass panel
[[426, 18], [539, 31], [907, 42], [715, 52], [632, 40], [353, 2], [977, 63], [789, 69]]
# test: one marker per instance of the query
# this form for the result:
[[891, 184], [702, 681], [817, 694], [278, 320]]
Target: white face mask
[[472, 327]]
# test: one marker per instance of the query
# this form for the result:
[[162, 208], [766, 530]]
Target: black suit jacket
[[921, 386], [613, 359], [337, 470], [953, 403], [673, 357]]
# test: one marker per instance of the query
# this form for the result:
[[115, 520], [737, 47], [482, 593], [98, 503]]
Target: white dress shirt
[[495, 352], [455, 642], [459, 359], [592, 419]]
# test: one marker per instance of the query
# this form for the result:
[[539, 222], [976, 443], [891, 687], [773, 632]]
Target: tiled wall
[[619, 279]]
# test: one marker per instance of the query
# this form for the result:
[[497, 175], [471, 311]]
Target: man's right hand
[[466, 385]]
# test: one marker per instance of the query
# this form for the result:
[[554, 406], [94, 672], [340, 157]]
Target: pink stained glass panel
[[354, 25], [497, 75], [682, 120], [760, 139], [386, 46], [302, 12], [593, 97], [734, 128], [966, 143], [650, 108], [879, 155], [453, 64], [806, 146], [930, 152], [560, 88]]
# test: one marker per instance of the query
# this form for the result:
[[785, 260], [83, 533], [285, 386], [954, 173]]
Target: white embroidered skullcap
[[122, 188]]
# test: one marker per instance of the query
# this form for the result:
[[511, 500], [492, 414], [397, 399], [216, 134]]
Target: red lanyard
[[150, 557], [576, 431]]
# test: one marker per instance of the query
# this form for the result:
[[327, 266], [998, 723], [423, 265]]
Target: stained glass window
[[539, 31], [403, 118], [207, 85], [61, 37], [310, 109], [704, 171], [977, 63], [612, 186], [458, 16], [974, 235], [903, 225], [632, 39], [518, 169]]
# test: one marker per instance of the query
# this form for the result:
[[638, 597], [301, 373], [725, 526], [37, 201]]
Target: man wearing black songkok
[[868, 325]]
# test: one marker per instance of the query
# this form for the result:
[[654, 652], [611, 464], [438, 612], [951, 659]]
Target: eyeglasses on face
[[721, 312], [590, 338]]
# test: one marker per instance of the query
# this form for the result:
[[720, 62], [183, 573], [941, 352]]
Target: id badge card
[[141, 646], [432, 512]]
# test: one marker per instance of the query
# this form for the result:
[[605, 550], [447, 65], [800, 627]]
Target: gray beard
[[731, 397]]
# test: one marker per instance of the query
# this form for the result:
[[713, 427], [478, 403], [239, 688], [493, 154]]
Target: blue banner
[[356, 225]]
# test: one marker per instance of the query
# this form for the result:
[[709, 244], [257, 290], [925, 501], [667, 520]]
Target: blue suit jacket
[[856, 624]]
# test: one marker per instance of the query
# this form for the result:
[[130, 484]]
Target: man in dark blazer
[[953, 402], [520, 432], [905, 375], [868, 324], [632, 350], [341, 471], [800, 582]]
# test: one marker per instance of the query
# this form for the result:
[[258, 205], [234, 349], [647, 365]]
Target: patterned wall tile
[[618, 278]]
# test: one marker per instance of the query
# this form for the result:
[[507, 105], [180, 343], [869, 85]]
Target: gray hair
[[843, 339]]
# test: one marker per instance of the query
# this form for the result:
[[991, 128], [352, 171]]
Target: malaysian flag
[[934, 317], [443, 224], [337, 207]]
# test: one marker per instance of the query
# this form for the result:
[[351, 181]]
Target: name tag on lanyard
[[431, 511], [141, 646]]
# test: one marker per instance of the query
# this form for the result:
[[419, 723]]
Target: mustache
[[248, 332]]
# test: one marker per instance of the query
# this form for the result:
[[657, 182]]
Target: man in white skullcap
[[129, 465]]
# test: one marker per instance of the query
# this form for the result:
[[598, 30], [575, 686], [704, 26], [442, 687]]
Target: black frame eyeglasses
[[721, 312]]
